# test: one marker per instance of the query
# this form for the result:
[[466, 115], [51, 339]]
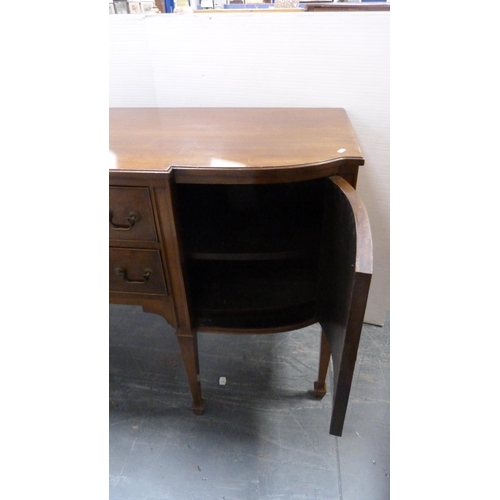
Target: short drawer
[[136, 271], [131, 214]]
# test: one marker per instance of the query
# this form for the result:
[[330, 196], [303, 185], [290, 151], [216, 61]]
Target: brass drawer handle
[[123, 273], [132, 218]]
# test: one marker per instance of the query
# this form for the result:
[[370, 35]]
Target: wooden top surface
[[212, 139]]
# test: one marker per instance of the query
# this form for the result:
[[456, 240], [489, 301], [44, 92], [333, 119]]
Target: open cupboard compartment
[[252, 253]]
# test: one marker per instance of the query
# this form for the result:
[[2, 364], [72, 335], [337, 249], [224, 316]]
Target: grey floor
[[263, 435]]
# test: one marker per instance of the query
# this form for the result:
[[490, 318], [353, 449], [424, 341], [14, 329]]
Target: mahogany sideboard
[[242, 220]]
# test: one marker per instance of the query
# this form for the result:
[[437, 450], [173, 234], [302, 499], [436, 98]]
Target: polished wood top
[[205, 141]]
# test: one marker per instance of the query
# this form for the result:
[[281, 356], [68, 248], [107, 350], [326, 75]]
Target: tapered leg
[[189, 350], [324, 361]]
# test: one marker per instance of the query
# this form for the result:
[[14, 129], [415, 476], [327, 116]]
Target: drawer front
[[136, 271], [131, 214]]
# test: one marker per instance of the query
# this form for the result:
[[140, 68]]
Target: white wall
[[331, 59]]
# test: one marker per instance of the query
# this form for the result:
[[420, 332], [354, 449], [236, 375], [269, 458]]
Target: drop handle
[[132, 218], [123, 273]]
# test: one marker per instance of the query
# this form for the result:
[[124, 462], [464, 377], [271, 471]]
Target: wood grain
[[244, 144]]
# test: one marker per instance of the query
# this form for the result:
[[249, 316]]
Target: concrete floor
[[263, 435]]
